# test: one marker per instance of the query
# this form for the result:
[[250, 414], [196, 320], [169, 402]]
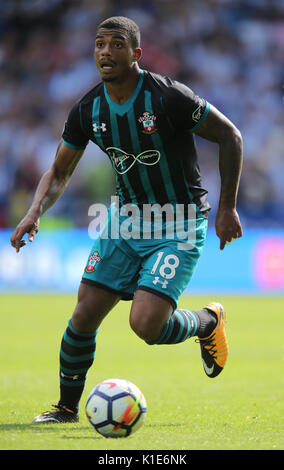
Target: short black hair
[[126, 26]]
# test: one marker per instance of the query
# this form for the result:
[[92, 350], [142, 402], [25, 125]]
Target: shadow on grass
[[40, 427], [66, 427], [98, 436], [164, 425]]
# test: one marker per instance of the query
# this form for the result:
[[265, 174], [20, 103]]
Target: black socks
[[77, 354], [184, 324], [207, 321]]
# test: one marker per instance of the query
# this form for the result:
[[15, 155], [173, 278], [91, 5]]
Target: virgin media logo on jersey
[[122, 161], [148, 222]]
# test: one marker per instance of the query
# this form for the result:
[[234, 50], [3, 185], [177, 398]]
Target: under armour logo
[[164, 283], [98, 127]]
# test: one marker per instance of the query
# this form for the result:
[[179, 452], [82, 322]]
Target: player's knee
[[144, 327], [92, 307], [84, 318]]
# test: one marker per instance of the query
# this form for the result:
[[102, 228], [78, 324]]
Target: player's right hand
[[29, 225]]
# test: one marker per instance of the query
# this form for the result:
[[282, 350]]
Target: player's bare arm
[[218, 128], [51, 185]]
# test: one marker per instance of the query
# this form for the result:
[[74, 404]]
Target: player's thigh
[[93, 304]]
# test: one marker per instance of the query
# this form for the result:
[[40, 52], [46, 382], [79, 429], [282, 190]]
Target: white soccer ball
[[116, 408]]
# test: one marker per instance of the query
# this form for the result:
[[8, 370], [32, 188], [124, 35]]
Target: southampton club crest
[[93, 259], [148, 121]]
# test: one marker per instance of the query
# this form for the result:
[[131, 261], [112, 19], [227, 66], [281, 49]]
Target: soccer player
[[145, 124]]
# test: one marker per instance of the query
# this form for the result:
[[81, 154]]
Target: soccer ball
[[116, 408]]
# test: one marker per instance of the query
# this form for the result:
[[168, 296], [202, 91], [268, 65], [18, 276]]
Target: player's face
[[114, 55]]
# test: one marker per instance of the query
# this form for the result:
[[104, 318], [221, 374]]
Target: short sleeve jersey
[[148, 139]]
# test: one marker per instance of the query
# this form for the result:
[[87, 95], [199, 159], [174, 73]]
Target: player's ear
[[137, 54]]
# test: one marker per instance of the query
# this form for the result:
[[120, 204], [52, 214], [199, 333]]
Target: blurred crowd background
[[229, 52]]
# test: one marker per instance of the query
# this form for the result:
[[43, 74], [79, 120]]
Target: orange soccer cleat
[[214, 348]]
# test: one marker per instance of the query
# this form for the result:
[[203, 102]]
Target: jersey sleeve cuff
[[75, 147], [203, 117]]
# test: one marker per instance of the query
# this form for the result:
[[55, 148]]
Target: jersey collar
[[122, 108]]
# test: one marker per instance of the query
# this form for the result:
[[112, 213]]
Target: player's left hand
[[29, 225], [228, 226]]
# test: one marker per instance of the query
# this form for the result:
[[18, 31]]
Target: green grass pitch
[[243, 408]]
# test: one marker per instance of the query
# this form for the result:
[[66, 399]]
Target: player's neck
[[120, 91]]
